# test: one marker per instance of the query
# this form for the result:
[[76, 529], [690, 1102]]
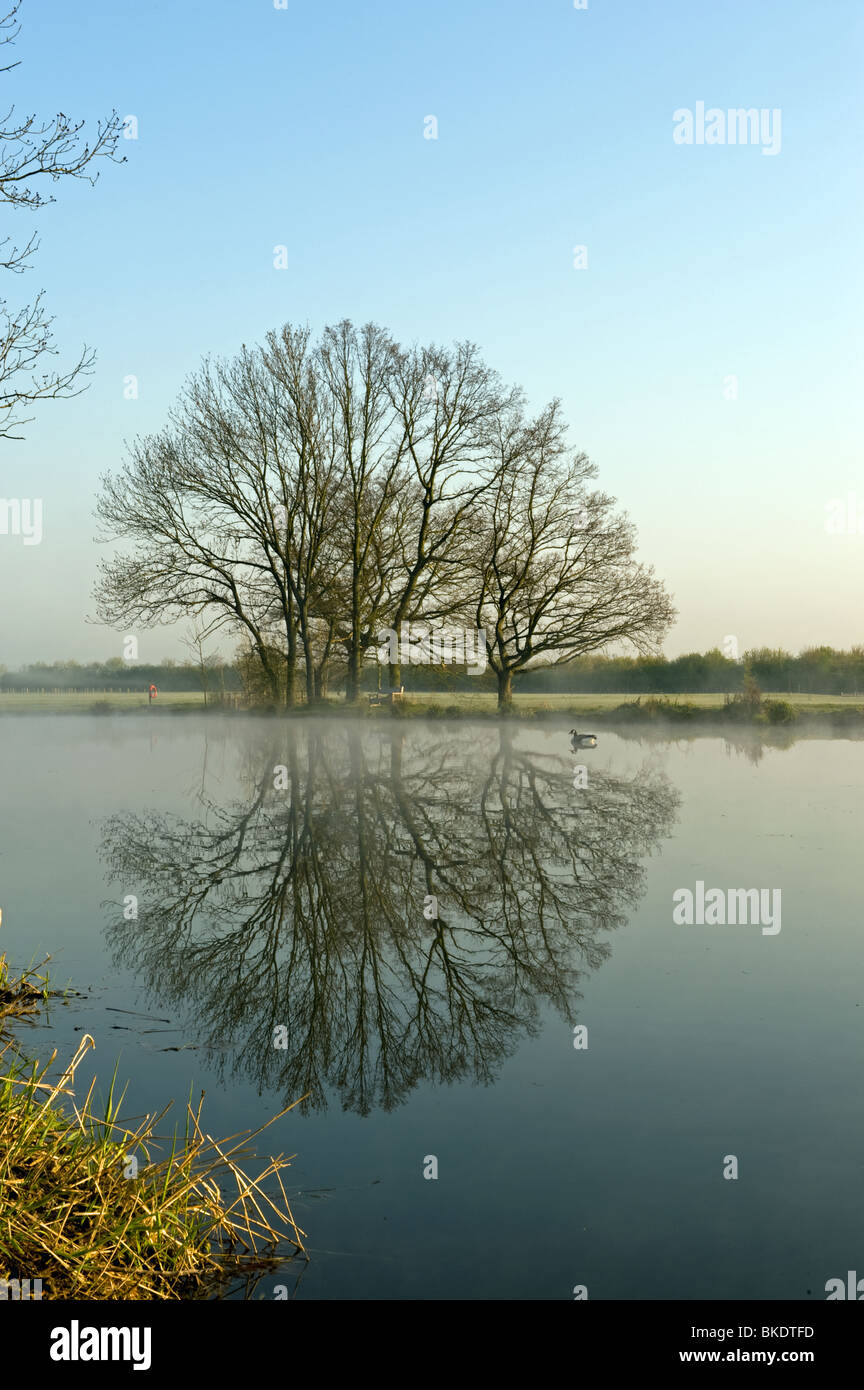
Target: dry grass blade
[[21, 997], [81, 1212]]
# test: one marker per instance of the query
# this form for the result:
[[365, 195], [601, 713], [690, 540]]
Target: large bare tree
[[448, 405], [355, 368], [204, 504], [554, 573], [33, 154]]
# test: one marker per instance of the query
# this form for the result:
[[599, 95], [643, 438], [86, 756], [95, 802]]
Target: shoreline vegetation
[[79, 1214], [750, 706], [820, 671], [19, 996]]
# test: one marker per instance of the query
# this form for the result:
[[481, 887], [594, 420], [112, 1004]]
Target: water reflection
[[302, 907], [743, 741]]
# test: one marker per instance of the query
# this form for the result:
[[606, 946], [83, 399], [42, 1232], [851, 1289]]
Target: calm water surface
[[287, 877]]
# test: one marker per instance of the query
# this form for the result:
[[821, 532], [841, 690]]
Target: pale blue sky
[[304, 127]]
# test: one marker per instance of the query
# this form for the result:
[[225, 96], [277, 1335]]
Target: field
[[597, 703], [467, 702], [82, 702]]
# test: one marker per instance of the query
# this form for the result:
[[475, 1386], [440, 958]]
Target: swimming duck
[[582, 740]]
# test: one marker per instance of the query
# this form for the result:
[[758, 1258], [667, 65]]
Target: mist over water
[[427, 910]]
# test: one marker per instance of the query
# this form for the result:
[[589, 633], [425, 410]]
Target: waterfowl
[[582, 740]]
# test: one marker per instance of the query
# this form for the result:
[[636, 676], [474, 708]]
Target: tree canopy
[[307, 495]]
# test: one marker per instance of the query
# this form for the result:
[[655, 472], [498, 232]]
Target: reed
[[80, 1210], [21, 996]]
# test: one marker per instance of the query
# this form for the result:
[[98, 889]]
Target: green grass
[[468, 702], [465, 702], [29, 702]]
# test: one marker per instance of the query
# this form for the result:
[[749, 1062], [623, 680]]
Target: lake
[[407, 920]]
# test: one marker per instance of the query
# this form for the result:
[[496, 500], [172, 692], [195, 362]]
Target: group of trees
[[308, 496]]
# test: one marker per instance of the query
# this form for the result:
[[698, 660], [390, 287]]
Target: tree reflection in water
[[304, 906]]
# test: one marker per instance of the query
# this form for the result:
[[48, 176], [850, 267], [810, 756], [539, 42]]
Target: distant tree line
[[120, 675], [815, 670]]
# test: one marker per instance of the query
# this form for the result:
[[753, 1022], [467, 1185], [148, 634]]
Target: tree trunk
[[352, 678], [290, 662], [321, 672], [505, 689], [290, 680], [311, 673], [271, 676]]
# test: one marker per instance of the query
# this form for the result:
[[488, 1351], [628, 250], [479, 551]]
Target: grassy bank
[[459, 704], [111, 702], [97, 1210], [621, 706]]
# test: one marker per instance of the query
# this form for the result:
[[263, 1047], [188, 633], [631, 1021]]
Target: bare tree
[[448, 404], [355, 368], [33, 152], [307, 495], [554, 573], [194, 642], [313, 500], [191, 552]]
